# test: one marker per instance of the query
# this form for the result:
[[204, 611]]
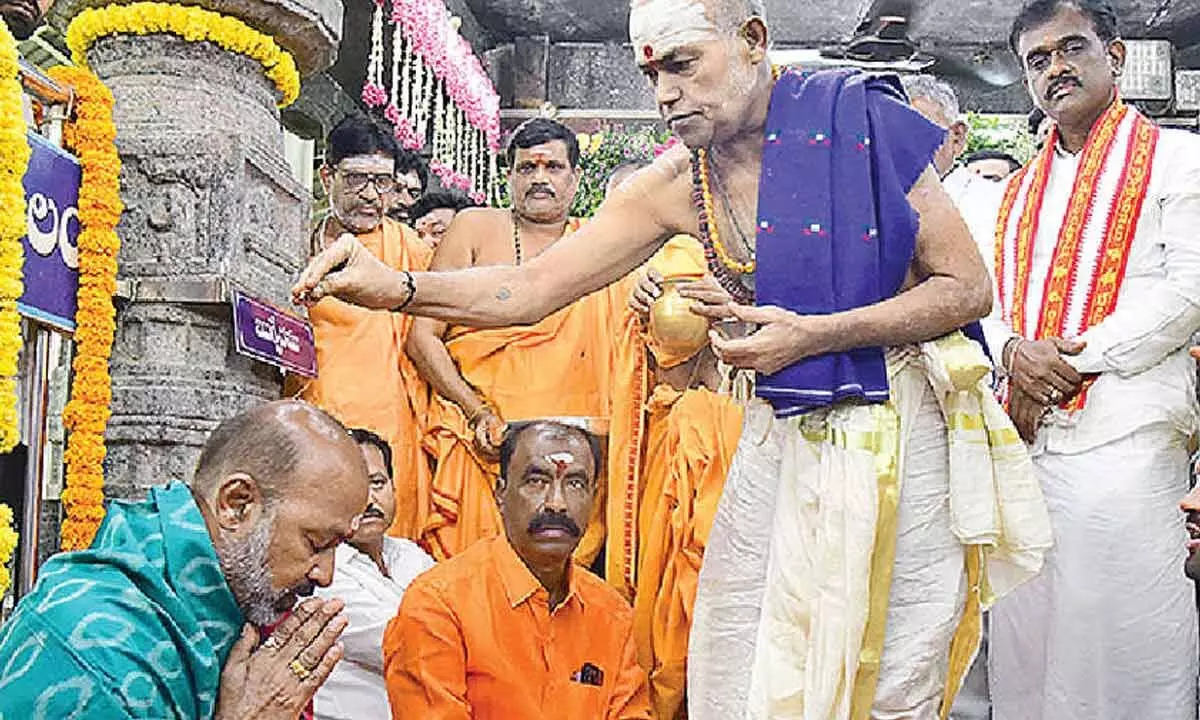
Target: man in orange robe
[[485, 378], [672, 437], [364, 378]]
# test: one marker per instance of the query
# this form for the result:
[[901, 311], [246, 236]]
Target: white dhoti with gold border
[[853, 549]]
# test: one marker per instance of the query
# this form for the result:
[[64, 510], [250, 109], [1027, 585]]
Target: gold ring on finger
[[298, 669]]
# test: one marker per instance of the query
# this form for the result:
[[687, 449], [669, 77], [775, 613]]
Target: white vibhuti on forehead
[[657, 27], [559, 459]]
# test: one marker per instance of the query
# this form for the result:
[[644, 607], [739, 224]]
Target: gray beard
[[248, 573]]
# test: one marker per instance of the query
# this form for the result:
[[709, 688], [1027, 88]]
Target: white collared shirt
[[1140, 350], [355, 690]]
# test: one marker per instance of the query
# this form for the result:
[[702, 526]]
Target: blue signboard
[[52, 238]]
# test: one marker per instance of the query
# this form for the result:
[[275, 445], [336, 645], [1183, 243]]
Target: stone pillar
[[210, 204]]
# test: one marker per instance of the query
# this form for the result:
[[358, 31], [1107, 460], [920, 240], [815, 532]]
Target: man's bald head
[[279, 486], [269, 443]]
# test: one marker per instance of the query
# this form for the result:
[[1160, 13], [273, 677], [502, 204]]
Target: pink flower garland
[[374, 95], [426, 23]]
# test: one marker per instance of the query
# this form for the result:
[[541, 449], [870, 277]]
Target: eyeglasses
[[358, 181]]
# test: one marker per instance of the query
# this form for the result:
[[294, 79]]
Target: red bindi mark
[[561, 461], [648, 52]]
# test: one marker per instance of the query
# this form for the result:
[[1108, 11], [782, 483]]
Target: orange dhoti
[[691, 437], [558, 367], [670, 451], [365, 380]]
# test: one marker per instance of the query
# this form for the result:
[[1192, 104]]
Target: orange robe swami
[[365, 379], [669, 455], [559, 367]]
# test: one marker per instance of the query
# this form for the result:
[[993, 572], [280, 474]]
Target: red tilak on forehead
[[561, 461], [648, 52]]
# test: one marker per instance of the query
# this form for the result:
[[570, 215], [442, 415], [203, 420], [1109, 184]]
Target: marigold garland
[[90, 133], [14, 158], [193, 24], [8, 543]]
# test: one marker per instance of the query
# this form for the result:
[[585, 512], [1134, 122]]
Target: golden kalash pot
[[676, 331]]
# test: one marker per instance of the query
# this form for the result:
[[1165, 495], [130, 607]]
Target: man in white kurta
[[371, 572], [1108, 631]]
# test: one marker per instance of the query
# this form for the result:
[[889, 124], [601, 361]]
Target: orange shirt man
[[511, 629], [364, 378], [483, 378]]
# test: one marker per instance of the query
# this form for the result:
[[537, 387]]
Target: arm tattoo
[[503, 294]]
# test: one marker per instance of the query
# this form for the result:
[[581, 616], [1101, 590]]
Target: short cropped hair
[[730, 14], [362, 436], [440, 200], [357, 135], [539, 131], [408, 161], [517, 429], [935, 90], [1039, 12]]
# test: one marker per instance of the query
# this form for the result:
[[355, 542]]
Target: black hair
[[1036, 116], [438, 200], [517, 429], [362, 436], [357, 135], [1040, 12], [1013, 163], [408, 161], [539, 131]]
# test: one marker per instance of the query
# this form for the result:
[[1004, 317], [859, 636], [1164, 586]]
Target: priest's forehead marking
[[660, 27], [561, 461]]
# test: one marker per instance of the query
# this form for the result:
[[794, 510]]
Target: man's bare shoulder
[[470, 234], [483, 218], [662, 189]]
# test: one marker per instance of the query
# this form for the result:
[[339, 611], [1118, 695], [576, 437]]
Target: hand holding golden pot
[[676, 333]]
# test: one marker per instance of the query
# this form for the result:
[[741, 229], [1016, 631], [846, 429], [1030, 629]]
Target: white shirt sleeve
[[979, 203], [369, 612], [1159, 314]]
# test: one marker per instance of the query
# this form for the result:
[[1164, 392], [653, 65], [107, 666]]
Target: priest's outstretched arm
[[625, 232]]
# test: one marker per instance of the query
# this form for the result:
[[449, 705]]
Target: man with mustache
[[364, 378], [372, 572], [512, 628], [23, 16], [158, 618], [557, 367], [1098, 276], [836, 579]]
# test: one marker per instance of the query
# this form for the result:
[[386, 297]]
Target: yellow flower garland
[[91, 135], [8, 543], [14, 158], [192, 24]]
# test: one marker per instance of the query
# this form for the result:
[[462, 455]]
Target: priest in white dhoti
[[879, 495], [1097, 267]]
